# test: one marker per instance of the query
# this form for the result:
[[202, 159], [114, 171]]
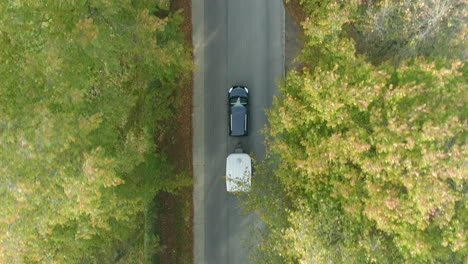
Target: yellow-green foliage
[[372, 160], [85, 86]]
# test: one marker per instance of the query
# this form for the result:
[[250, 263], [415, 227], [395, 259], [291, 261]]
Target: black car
[[238, 110]]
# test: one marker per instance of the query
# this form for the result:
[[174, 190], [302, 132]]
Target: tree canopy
[[86, 86], [369, 160], [397, 30]]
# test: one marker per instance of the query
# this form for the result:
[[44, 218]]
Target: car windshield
[[238, 100]]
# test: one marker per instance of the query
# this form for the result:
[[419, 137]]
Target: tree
[[397, 30], [370, 158], [85, 86]]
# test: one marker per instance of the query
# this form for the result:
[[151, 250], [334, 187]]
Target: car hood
[[238, 92]]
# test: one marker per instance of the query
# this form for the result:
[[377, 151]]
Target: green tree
[[370, 159], [85, 86]]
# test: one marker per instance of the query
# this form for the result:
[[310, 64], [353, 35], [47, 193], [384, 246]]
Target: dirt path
[[293, 32], [175, 216]]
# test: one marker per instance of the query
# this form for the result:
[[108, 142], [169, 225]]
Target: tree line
[[87, 87], [366, 145]]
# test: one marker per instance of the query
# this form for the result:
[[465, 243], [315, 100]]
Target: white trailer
[[238, 171]]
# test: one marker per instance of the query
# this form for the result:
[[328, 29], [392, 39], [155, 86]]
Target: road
[[236, 42]]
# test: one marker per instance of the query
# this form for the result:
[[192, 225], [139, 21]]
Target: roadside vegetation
[[366, 149], [88, 92]]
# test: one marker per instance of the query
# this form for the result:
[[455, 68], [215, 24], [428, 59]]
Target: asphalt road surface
[[241, 43]]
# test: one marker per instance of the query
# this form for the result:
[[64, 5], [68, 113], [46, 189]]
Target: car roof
[[238, 120], [238, 172]]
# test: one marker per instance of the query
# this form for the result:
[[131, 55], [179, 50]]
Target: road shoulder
[[198, 126]]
